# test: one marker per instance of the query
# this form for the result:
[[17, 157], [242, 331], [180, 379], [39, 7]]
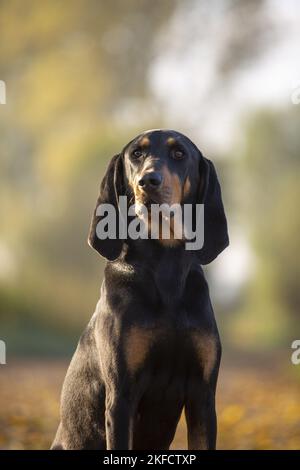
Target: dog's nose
[[151, 181]]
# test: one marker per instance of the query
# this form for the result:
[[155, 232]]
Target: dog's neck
[[169, 266]]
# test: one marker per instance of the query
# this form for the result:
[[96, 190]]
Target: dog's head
[[163, 167]]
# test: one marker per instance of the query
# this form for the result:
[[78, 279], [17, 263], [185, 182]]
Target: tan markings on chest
[[207, 352], [138, 343]]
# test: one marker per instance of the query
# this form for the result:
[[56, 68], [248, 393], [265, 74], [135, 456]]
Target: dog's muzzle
[[151, 181]]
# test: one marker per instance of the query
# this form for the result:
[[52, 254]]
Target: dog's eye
[[178, 154], [137, 153]]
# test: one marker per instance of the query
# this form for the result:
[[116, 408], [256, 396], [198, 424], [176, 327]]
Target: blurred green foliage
[[268, 207], [74, 72], [70, 69]]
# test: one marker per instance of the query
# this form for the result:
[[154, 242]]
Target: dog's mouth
[[163, 196], [141, 204], [153, 208], [160, 221], [148, 202]]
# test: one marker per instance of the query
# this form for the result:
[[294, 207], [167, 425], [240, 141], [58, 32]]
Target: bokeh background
[[82, 78]]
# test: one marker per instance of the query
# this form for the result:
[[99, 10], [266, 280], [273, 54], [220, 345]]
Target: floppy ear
[[112, 186], [215, 224]]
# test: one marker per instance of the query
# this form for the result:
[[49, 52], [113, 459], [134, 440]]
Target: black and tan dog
[[152, 347]]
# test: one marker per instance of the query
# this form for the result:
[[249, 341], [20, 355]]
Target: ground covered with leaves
[[258, 408]]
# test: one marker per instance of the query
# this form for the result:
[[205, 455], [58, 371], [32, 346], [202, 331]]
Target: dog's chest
[[170, 279], [170, 352]]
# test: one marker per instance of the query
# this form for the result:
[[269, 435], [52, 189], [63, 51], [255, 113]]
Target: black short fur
[[152, 346]]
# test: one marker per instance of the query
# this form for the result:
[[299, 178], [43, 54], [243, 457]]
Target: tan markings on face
[[136, 189], [172, 187], [177, 190], [186, 187], [170, 242], [172, 184], [171, 141], [174, 231], [145, 142], [138, 342], [206, 350]]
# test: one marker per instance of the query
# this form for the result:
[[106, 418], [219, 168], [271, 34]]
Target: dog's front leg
[[120, 356], [201, 418], [118, 422], [200, 409]]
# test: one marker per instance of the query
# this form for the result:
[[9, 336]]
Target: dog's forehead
[[161, 137]]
